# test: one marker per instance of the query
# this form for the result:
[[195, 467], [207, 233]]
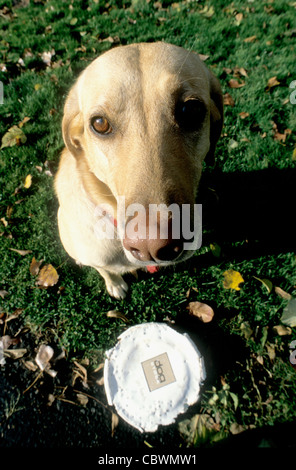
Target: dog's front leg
[[115, 284]]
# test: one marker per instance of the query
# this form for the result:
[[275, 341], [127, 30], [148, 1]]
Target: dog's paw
[[117, 287]]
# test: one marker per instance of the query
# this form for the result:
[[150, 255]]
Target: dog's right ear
[[72, 124]]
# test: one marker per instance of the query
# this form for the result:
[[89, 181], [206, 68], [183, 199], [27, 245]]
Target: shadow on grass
[[255, 208]]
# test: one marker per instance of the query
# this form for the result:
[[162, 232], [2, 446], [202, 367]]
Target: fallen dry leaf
[[244, 115], [114, 423], [28, 181], [35, 266], [21, 252], [271, 351], [82, 399], [21, 123], [282, 330], [48, 276], [239, 18], [14, 136], [272, 82], [15, 353], [232, 279], [44, 355], [228, 100], [266, 283], [30, 365], [246, 329], [289, 314], [250, 39], [282, 293], [3, 293], [4, 221], [233, 83], [236, 428], [117, 314], [47, 56], [203, 57], [240, 71], [80, 372], [204, 312]]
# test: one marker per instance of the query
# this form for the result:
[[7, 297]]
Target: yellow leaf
[[28, 181], [37, 86], [48, 276], [207, 11], [232, 279]]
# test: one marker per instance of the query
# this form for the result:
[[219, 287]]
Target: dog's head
[[140, 120]]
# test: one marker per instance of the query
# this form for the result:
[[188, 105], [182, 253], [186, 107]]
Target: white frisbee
[[152, 375]]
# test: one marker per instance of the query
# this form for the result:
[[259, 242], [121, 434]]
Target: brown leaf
[[203, 57], [21, 252], [44, 355], [83, 399], [236, 428], [30, 365], [4, 221], [117, 314], [3, 293], [21, 123], [80, 372], [271, 351], [282, 293], [282, 330], [235, 84], [272, 82], [202, 311], [228, 100], [35, 266], [240, 71], [250, 39], [15, 353], [114, 423], [14, 315], [48, 276], [244, 115], [239, 18]]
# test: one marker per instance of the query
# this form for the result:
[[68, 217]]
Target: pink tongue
[[152, 269]]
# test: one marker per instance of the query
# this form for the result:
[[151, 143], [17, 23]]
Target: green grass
[[74, 311]]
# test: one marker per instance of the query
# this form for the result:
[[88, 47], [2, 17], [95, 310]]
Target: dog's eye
[[101, 125], [190, 114]]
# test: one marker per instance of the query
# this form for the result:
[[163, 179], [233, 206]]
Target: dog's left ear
[[72, 124], [216, 116]]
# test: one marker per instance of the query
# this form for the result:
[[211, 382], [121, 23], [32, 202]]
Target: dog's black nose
[[152, 248]]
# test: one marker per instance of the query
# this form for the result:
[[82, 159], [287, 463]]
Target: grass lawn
[[248, 196]]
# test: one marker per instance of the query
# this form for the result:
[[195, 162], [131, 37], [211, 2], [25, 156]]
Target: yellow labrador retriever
[[137, 125]]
